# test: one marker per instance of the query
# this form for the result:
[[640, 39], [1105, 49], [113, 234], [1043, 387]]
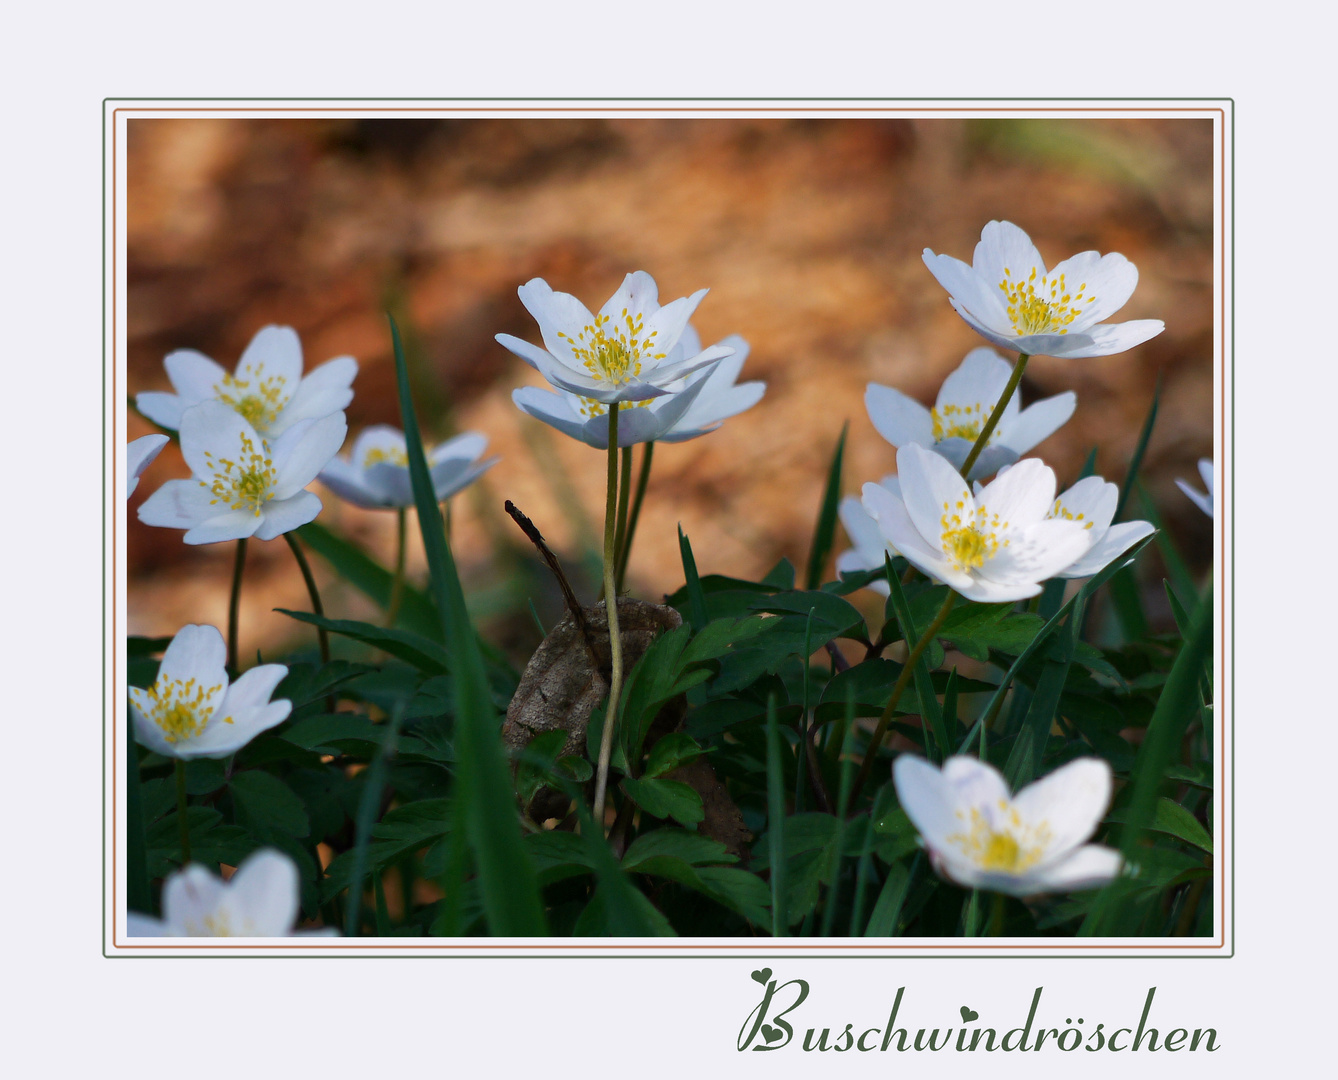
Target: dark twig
[[568, 595]]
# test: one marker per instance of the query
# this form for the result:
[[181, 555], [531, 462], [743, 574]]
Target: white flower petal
[[665, 374], [301, 452], [274, 353], [556, 411], [931, 488], [197, 651], [979, 380], [900, 533], [191, 900], [282, 515], [975, 784], [264, 892], [147, 733], [1206, 473], [1104, 340], [1038, 422], [1035, 553], [452, 475], [212, 431], [1198, 498], [349, 484], [1020, 495], [139, 454], [1091, 499], [899, 419], [178, 504], [1070, 802], [327, 389], [1089, 867], [667, 324], [228, 525], [194, 376], [556, 313], [927, 799], [1004, 247], [637, 295], [253, 689], [968, 290], [137, 925], [163, 409], [1109, 279], [467, 446], [1112, 543]]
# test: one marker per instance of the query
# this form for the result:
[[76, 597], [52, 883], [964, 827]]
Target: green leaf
[[665, 799], [423, 653], [833, 616], [333, 733], [264, 798], [357, 568], [929, 705], [692, 848], [776, 825], [671, 751], [825, 531], [780, 576], [1174, 820], [508, 885], [891, 900], [696, 598]]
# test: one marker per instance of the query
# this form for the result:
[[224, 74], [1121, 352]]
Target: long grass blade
[[776, 824], [824, 534], [508, 884]]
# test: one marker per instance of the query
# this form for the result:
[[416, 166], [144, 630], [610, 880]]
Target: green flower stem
[[234, 604], [907, 670], [624, 500], [316, 605], [643, 479], [997, 916], [993, 421], [397, 586], [611, 607], [182, 820]]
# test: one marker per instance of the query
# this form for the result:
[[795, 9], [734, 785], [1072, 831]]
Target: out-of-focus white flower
[[993, 546], [376, 475], [1007, 296], [1198, 498], [241, 484], [191, 711], [870, 544], [139, 453], [267, 389], [625, 353], [719, 397], [260, 900], [982, 838], [965, 402]]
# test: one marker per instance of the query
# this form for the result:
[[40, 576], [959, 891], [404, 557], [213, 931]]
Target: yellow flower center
[[590, 407], [960, 421], [1046, 307], [258, 399], [1059, 511], [1011, 849], [180, 708], [968, 541], [243, 484], [385, 456], [611, 351]]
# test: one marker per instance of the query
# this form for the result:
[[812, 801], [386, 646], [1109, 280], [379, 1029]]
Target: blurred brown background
[[807, 231]]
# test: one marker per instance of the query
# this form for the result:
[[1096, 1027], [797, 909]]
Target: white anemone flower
[[139, 454], [243, 485], [191, 711], [696, 405], [965, 402], [625, 353], [376, 476], [1008, 297], [993, 546], [1198, 498], [267, 389], [870, 544], [261, 899], [1034, 842]]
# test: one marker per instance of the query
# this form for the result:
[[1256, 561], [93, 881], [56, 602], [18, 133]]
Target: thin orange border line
[[1022, 950]]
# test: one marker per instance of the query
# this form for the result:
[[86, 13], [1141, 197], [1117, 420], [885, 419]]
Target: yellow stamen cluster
[[1011, 849], [180, 708], [969, 541], [244, 484], [385, 456], [1044, 308], [1059, 511], [590, 407], [613, 352], [258, 399], [960, 421]]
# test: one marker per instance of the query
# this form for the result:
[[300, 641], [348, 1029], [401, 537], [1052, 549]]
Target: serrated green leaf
[[666, 799], [833, 616], [671, 751], [1174, 820], [264, 798], [691, 847]]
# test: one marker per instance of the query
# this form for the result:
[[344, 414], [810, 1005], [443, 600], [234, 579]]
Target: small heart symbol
[[969, 1014], [762, 976], [771, 1034]]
